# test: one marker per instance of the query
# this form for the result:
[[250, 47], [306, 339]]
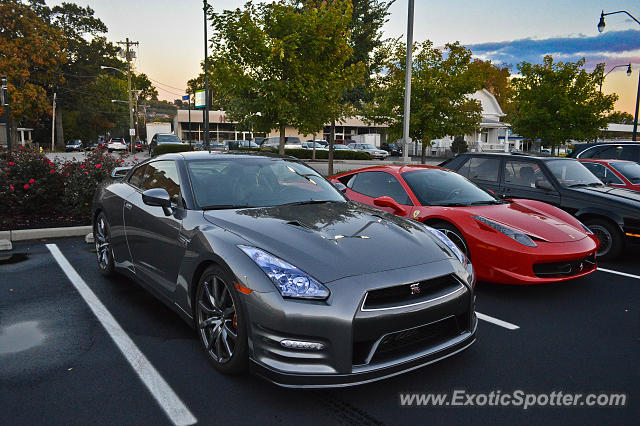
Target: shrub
[[171, 147], [459, 146], [34, 189], [306, 154]]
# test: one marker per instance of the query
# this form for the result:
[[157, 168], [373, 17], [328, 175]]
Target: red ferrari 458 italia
[[512, 241]]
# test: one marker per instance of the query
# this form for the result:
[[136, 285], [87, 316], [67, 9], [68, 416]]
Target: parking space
[[61, 366]]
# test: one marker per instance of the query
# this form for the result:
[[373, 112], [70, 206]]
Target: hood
[[531, 221], [333, 240], [609, 194]]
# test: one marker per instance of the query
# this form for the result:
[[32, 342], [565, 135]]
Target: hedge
[[306, 154], [171, 147]]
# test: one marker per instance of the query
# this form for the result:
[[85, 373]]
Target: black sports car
[[612, 214], [278, 271]]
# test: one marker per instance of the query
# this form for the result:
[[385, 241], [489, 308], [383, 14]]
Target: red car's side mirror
[[386, 201]]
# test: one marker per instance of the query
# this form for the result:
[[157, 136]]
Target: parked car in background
[[369, 149], [612, 214], [247, 144], [310, 144], [218, 146], [258, 141], [73, 145], [233, 144], [163, 139], [341, 147], [618, 173], [117, 144], [290, 142], [394, 149], [273, 266], [320, 142], [629, 151], [138, 146]]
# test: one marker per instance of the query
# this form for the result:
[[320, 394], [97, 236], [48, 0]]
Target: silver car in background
[[374, 152]]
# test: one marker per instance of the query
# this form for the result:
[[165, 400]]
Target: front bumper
[[361, 342]]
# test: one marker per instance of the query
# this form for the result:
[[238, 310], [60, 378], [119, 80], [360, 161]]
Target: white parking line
[[624, 274], [178, 413], [497, 321]]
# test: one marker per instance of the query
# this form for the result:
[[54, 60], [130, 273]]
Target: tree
[[279, 65], [32, 53], [556, 102], [496, 79], [440, 86], [620, 117], [459, 145]]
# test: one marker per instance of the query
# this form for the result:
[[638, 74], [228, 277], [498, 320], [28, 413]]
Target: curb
[[37, 234]]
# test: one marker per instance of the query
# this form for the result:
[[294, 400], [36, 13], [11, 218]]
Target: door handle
[[128, 205]]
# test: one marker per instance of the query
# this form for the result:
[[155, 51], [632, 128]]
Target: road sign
[[132, 132], [199, 99]]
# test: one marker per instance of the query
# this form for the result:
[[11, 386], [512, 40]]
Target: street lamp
[[617, 66], [601, 26]]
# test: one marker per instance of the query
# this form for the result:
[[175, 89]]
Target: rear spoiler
[[120, 172]]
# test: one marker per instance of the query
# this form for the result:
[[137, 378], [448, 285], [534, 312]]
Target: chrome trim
[[457, 290]]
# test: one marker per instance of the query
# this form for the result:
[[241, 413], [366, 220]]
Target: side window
[[163, 174], [603, 173], [137, 177], [591, 152], [523, 173], [483, 168], [631, 153], [377, 184], [618, 152]]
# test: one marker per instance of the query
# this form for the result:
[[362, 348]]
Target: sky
[[171, 34]]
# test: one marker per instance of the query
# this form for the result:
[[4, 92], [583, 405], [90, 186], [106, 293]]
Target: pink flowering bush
[[35, 189]]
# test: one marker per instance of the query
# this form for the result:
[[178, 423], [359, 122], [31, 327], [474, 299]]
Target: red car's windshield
[[631, 171], [435, 187]]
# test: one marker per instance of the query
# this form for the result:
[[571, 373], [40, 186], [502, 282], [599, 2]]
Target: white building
[[486, 137]]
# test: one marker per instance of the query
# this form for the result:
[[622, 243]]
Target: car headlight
[[518, 236], [454, 248], [289, 280]]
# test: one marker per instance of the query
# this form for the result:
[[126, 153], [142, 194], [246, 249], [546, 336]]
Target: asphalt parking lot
[[60, 365]]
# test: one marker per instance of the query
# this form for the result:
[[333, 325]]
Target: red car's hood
[[530, 221]]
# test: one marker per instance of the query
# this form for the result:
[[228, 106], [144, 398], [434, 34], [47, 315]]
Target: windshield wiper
[[487, 202], [300, 203], [596, 184], [225, 206], [452, 205], [576, 185]]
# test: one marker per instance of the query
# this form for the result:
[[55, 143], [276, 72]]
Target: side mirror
[[340, 186], [158, 197], [544, 185], [386, 201]]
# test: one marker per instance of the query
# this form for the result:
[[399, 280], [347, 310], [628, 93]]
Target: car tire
[[611, 240], [218, 314], [104, 251], [454, 235]]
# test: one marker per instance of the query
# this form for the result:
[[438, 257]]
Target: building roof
[[490, 106]]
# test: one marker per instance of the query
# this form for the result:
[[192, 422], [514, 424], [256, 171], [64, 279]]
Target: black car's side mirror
[[340, 186], [158, 197], [544, 185]]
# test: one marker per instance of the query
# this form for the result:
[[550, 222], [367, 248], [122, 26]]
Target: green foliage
[[459, 145], [439, 87], [556, 102], [171, 147], [496, 79], [285, 62]]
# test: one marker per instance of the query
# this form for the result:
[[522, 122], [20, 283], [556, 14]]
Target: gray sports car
[[279, 272]]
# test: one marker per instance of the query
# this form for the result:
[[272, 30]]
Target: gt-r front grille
[[410, 294], [564, 269]]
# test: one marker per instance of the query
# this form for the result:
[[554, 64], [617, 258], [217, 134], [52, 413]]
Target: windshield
[[629, 170], [257, 182], [435, 187], [168, 139], [368, 146], [571, 173]]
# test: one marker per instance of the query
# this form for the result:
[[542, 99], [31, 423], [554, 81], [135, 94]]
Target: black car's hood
[[333, 240], [610, 194]]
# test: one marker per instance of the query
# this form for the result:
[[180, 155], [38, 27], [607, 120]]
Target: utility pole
[[190, 142], [407, 85], [132, 130], [205, 8], [5, 104], [53, 123]]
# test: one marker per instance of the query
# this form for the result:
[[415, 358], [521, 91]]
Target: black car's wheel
[[611, 240], [454, 235], [220, 321], [104, 252]]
